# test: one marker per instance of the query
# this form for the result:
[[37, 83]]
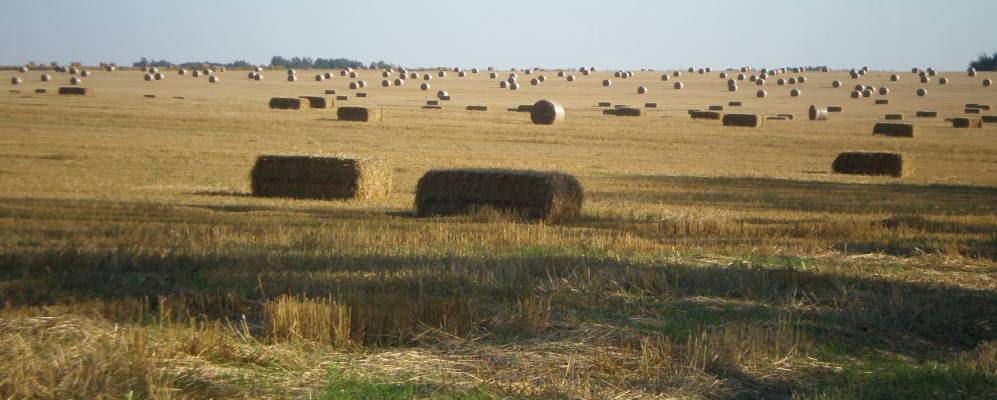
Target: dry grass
[[707, 263]]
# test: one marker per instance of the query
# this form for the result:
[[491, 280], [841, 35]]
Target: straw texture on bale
[[895, 129], [548, 196], [321, 177], [287, 103], [871, 163], [744, 120], [963, 122], [547, 112], [76, 91], [624, 112], [359, 114]]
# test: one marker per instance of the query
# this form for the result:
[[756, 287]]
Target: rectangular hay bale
[[990, 119], [734, 104], [650, 105], [926, 114], [360, 114], [894, 117], [967, 123], [476, 108], [835, 109], [288, 103], [744, 120], [871, 163], [362, 94], [882, 102], [342, 98], [699, 114], [605, 104], [972, 111], [75, 91], [716, 108], [895, 129], [321, 177], [318, 102], [549, 196], [624, 112]]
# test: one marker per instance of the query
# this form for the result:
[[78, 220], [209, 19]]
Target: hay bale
[[650, 105], [716, 108], [46, 77], [678, 85], [677, 74], [605, 104], [16, 80], [882, 102], [922, 92], [149, 96], [85, 73], [801, 80], [895, 129], [321, 177], [642, 90], [534, 82], [213, 79], [353, 85], [971, 72], [744, 120], [760, 82], [159, 76], [570, 78], [761, 94], [288, 103], [943, 81], [699, 114], [548, 196], [734, 104], [40, 91], [856, 94], [22, 69], [76, 91], [926, 114], [987, 82], [834, 109], [147, 77], [732, 88], [665, 77], [546, 112], [503, 84], [442, 74], [342, 98], [476, 108], [606, 83], [359, 114], [894, 117], [514, 86], [624, 112], [75, 81], [795, 93], [925, 79], [884, 91], [780, 82], [292, 78], [258, 77], [399, 82], [989, 119], [871, 163], [817, 114], [432, 107], [895, 78], [317, 102], [964, 122]]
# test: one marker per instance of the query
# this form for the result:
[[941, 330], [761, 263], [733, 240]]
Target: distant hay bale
[[427, 77], [503, 84], [440, 94], [570, 78], [791, 81], [385, 83], [677, 74], [317, 102], [534, 82], [760, 82], [342, 98], [932, 72], [882, 102], [607, 83], [895, 78], [251, 74], [971, 72], [925, 79], [41, 91], [22, 69], [922, 92], [650, 105], [547, 196], [780, 82], [319, 78], [258, 77], [884, 91], [867, 93], [734, 104], [964, 122], [327, 75], [75, 81], [399, 82], [424, 86], [699, 114], [547, 112], [288, 103], [85, 73], [744, 120], [716, 108], [321, 177], [432, 107], [493, 75], [741, 77], [605, 104], [642, 90], [753, 78], [817, 114], [354, 75], [476, 108], [359, 114], [895, 129], [75, 91], [16, 80], [148, 77], [987, 82], [678, 85], [362, 83], [836, 84], [723, 75], [834, 109], [894, 117], [801, 79], [46, 77], [871, 163], [926, 114], [624, 112], [292, 78], [732, 87], [159, 76], [856, 94], [989, 119], [795, 93], [461, 74], [542, 78], [943, 81], [213, 79], [442, 74], [761, 94]]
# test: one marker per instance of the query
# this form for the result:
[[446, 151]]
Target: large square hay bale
[[549, 196], [990, 119], [625, 112], [321, 177], [871, 163], [699, 114], [967, 123], [319, 102], [76, 91], [360, 114], [288, 103], [926, 114], [476, 108], [744, 120], [895, 129]]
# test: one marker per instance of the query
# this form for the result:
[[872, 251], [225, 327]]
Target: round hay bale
[[987, 82], [258, 77], [213, 79], [291, 72], [701, 71], [894, 78], [542, 78], [795, 93], [258, 69], [292, 78], [853, 74], [46, 77], [943, 81], [16, 80], [344, 72], [75, 81], [251, 74], [780, 82], [424, 86], [915, 70], [503, 84], [440, 94], [385, 74], [461, 74], [921, 92], [731, 82], [585, 72], [474, 70], [677, 74], [607, 83], [678, 85], [817, 114], [196, 73], [618, 74], [753, 78], [860, 87], [932, 72], [560, 74], [732, 88], [385, 83], [23, 69], [884, 91], [413, 76], [971, 72], [740, 77], [73, 71], [763, 76], [181, 71], [154, 70], [147, 77], [761, 94], [665, 77], [427, 77], [836, 84], [867, 93], [925, 79], [856, 94], [547, 112], [534, 81], [492, 75], [723, 75], [353, 85], [514, 86], [691, 70], [354, 75], [791, 81], [442, 74], [760, 82], [328, 75], [642, 90], [744, 69], [801, 80], [708, 69], [362, 83], [319, 78], [399, 82]]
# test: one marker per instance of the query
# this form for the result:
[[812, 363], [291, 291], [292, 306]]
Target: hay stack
[[925, 79], [895, 129], [316, 102], [75, 81], [321, 177], [76, 91], [547, 112], [147, 77], [795, 92], [288, 103], [963, 122], [606, 83], [744, 120], [678, 85], [817, 114], [548, 196], [359, 114], [922, 92], [871, 163], [327, 75], [642, 90], [158, 76], [213, 79], [181, 71]]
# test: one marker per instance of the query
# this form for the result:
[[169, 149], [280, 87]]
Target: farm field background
[[710, 262]]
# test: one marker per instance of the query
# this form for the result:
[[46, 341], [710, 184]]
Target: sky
[[881, 34]]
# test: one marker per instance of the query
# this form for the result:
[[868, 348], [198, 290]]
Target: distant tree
[[144, 62], [985, 62], [322, 63]]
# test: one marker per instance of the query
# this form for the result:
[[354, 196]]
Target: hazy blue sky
[[884, 34]]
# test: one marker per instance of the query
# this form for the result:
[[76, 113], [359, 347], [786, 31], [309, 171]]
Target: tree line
[[276, 62]]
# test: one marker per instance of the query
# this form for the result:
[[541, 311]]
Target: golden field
[[710, 262]]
